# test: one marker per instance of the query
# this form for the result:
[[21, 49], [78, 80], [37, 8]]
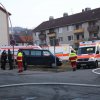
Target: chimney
[[82, 10], [65, 14], [87, 9], [51, 18]]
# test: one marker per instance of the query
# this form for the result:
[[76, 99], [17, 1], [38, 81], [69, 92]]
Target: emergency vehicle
[[14, 50], [88, 54], [61, 51]]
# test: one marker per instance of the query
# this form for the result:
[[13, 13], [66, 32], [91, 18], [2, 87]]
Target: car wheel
[[53, 65]]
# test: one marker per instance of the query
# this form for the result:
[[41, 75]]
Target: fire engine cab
[[88, 54]]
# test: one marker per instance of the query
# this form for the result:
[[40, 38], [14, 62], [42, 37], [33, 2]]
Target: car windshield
[[86, 50]]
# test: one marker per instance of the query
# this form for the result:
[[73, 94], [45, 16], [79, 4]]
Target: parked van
[[41, 57], [16, 48]]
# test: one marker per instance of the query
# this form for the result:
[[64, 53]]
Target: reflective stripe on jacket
[[19, 57], [73, 57]]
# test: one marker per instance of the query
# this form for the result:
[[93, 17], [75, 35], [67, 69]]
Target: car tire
[[52, 65]]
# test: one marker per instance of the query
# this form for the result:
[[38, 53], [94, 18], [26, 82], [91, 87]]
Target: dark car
[[41, 57]]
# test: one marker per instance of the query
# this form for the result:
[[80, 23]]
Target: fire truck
[[88, 54]]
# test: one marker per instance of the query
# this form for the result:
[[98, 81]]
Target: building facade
[[69, 29], [4, 27]]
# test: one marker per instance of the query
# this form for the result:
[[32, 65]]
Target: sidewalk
[[37, 69]]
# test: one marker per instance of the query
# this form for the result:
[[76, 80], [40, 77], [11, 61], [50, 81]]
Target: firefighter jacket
[[19, 57], [73, 57]]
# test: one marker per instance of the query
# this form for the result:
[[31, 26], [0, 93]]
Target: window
[[86, 50], [82, 36], [95, 34], [36, 53], [60, 30], [92, 23], [67, 28], [60, 39], [77, 37], [77, 26], [26, 52], [36, 34], [46, 53], [51, 30], [70, 38]]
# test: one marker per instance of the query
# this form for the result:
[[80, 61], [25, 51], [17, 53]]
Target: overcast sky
[[30, 13]]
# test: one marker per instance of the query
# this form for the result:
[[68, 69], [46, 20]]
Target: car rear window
[[36, 53], [26, 52]]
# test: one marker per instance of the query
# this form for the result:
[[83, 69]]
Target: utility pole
[[54, 44]]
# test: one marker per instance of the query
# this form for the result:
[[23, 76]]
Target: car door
[[35, 57], [27, 55], [48, 58]]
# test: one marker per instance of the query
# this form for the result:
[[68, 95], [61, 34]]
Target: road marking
[[70, 84], [94, 71]]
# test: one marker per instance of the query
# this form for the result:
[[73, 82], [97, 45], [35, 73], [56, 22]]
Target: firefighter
[[73, 59], [10, 60], [3, 59], [20, 61]]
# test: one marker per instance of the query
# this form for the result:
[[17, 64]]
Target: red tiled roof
[[26, 38], [22, 39]]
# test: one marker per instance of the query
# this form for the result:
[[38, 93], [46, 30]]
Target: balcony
[[53, 34], [93, 29], [77, 41], [80, 30], [94, 38], [42, 36]]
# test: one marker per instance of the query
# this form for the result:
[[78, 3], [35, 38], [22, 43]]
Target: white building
[[4, 27], [69, 29]]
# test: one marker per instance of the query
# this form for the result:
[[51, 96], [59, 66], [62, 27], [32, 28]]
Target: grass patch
[[65, 67]]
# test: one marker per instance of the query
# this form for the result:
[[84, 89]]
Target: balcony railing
[[80, 30], [94, 38], [93, 29], [77, 41], [53, 34]]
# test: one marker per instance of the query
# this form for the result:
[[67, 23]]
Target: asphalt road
[[42, 85]]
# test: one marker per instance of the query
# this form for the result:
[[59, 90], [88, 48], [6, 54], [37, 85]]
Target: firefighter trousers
[[20, 66], [73, 64]]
